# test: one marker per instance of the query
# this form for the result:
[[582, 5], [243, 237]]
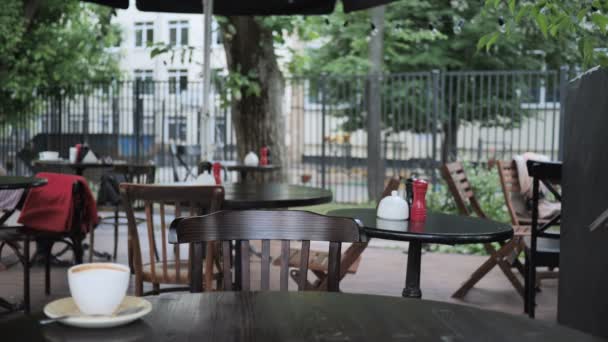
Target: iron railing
[[426, 118]]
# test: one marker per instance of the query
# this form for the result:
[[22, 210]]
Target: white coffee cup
[[98, 288]]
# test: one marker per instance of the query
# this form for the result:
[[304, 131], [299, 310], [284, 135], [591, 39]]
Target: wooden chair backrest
[[461, 189], [509, 182], [246, 225], [187, 200]]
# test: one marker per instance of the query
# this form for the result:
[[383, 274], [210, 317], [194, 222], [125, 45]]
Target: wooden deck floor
[[382, 272]]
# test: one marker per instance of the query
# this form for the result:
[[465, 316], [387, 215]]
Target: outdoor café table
[[301, 316], [14, 183], [438, 228], [245, 170], [78, 168], [272, 196]]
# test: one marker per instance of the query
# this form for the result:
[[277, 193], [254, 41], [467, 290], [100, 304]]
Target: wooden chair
[[138, 174], [537, 253], [351, 258], [189, 200], [467, 203], [247, 225], [509, 180]]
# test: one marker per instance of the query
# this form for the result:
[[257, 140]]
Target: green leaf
[[512, 6], [492, 40], [543, 25], [483, 41], [600, 20]]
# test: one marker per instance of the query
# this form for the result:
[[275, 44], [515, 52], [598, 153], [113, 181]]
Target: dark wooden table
[[302, 316], [272, 196], [78, 168], [19, 182], [438, 228]]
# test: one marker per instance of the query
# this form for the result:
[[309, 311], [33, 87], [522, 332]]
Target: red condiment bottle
[[217, 173], [418, 210], [264, 155]]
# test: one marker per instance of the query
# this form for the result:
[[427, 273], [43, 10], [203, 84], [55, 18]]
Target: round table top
[[62, 162], [261, 168], [438, 228], [303, 316], [19, 182], [272, 195]]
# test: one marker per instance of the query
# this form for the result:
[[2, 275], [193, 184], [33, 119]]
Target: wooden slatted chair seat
[[317, 261], [168, 276]]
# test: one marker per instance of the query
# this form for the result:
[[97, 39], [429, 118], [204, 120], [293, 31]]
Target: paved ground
[[382, 272]]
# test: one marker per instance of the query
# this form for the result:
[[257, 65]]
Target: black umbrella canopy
[[257, 7]]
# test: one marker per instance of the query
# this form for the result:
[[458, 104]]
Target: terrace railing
[[418, 121]]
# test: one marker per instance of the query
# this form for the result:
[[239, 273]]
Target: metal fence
[[414, 122]]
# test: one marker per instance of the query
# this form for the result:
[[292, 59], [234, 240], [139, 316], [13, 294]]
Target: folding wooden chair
[[318, 260], [467, 204]]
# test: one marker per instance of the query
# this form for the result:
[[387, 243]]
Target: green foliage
[[421, 36], [486, 186], [63, 43], [564, 22]]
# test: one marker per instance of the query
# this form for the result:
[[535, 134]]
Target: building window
[[144, 79], [144, 34], [178, 33], [178, 128], [178, 81]]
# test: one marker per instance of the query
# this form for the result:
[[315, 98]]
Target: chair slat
[[196, 268], [265, 279], [304, 256], [163, 232], [176, 249], [227, 275], [284, 265], [333, 277], [150, 226], [245, 273]]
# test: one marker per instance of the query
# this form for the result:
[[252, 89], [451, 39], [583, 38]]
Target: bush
[[486, 186]]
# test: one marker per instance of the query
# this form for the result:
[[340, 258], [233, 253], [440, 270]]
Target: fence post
[[563, 91], [435, 93], [323, 101], [137, 113]]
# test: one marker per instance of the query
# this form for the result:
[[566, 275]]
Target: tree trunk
[[449, 145], [257, 119], [375, 160]]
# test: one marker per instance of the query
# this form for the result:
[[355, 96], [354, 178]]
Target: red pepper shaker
[[264, 155], [419, 206], [217, 170]]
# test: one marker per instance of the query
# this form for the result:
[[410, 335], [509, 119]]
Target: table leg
[[237, 265], [412, 277]]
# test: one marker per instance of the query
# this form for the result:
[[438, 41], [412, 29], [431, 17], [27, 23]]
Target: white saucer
[[66, 306]]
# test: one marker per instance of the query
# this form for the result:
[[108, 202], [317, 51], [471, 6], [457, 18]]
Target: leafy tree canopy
[[431, 34], [52, 43], [584, 22]]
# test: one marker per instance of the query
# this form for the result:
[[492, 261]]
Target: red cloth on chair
[[51, 206]]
